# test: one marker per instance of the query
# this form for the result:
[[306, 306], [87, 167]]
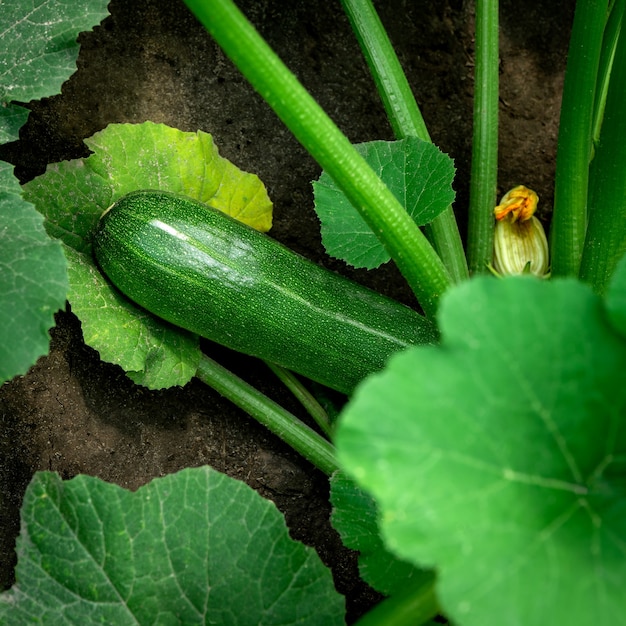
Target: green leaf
[[38, 51], [38, 47], [196, 547], [499, 457], [153, 353], [355, 517], [71, 197], [155, 156], [73, 194], [12, 118], [33, 280], [418, 174], [8, 183], [409, 590]]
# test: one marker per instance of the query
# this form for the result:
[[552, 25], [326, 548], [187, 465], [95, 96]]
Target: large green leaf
[[38, 51], [73, 194], [192, 548], [418, 174], [499, 457], [33, 280]]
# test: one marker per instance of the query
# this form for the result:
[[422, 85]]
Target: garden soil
[[150, 60]]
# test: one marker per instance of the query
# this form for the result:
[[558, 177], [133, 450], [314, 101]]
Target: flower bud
[[520, 247], [520, 203], [520, 244]]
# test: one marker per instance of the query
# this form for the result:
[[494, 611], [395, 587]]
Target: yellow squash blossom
[[520, 244]]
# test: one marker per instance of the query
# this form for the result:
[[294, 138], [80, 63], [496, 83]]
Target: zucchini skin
[[198, 268]]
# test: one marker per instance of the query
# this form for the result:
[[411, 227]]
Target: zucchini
[[204, 271]]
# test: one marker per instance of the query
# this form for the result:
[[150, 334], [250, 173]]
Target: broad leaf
[[38, 51], [499, 457], [355, 517], [416, 171], [192, 548], [33, 280], [155, 156], [73, 194]]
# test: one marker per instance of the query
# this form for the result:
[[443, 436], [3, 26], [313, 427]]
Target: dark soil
[[150, 60]]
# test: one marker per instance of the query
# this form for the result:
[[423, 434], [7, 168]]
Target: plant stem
[[606, 235], [569, 221], [409, 248], [289, 428], [485, 139], [393, 87], [306, 399], [607, 55], [404, 116]]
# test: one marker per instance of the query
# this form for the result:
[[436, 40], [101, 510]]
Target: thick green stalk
[[393, 87], [404, 116], [485, 139], [569, 220], [289, 428], [409, 248], [606, 235]]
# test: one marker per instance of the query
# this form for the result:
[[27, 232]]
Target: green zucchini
[[202, 270]]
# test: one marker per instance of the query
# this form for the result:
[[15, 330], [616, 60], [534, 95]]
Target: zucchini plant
[[500, 501]]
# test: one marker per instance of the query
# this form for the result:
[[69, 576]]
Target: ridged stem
[[391, 82], [281, 422], [605, 243], [484, 171], [408, 247], [569, 220]]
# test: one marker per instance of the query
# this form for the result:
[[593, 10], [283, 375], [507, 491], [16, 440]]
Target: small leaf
[[499, 457], [193, 548], [416, 171], [33, 280], [355, 517], [73, 194]]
